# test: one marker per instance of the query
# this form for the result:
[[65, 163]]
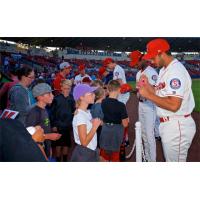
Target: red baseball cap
[[102, 70], [86, 80], [81, 67], [107, 61], [155, 47], [125, 88], [135, 57]]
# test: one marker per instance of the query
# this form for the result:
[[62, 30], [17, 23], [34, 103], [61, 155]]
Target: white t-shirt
[[119, 73], [150, 73], [78, 79], [81, 118], [175, 81]]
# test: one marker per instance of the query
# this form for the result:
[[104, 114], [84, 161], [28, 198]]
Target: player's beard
[[161, 62]]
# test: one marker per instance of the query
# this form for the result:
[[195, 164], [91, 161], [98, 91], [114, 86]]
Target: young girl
[[84, 127]]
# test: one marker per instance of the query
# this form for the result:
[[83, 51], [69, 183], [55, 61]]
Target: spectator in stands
[[6, 64], [7, 86], [97, 83], [86, 80], [78, 79], [62, 111], [65, 69], [38, 115], [19, 95]]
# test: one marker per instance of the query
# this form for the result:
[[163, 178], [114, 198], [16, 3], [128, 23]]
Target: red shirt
[[6, 88], [57, 82]]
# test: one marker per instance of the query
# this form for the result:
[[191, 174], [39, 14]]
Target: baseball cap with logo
[[81, 90], [40, 89], [135, 57], [155, 47], [107, 61], [64, 64]]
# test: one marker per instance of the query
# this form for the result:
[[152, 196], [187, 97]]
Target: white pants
[[147, 117], [177, 135], [156, 128], [124, 97]]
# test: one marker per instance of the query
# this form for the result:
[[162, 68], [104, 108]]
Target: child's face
[[66, 89], [47, 98], [89, 98]]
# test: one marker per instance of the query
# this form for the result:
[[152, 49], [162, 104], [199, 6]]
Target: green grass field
[[195, 89]]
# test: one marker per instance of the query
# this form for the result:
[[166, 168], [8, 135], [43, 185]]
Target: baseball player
[[78, 79], [118, 74], [174, 100], [147, 109]]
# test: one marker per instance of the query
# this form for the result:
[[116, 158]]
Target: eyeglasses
[[31, 77]]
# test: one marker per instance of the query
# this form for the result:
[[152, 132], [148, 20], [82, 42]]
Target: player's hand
[[96, 123], [38, 136], [146, 91], [143, 81], [52, 136]]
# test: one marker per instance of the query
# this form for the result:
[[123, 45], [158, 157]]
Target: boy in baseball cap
[[38, 115], [65, 69]]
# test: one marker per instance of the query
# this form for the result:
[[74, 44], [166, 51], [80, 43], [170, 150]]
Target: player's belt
[[165, 119]]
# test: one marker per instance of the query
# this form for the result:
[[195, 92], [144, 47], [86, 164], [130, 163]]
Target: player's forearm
[[164, 102]]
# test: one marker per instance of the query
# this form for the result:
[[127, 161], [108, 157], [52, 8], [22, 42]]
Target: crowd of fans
[[30, 94], [35, 82]]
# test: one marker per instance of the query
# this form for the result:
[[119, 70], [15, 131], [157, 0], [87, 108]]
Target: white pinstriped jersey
[[119, 73], [150, 73], [174, 80]]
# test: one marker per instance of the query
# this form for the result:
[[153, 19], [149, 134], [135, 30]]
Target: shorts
[[84, 154], [65, 139], [113, 156]]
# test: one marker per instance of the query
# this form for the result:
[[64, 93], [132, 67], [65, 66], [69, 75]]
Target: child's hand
[[96, 123], [38, 136], [53, 136]]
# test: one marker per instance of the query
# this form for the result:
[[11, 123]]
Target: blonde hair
[[99, 93], [78, 103], [66, 82], [97, 83]]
